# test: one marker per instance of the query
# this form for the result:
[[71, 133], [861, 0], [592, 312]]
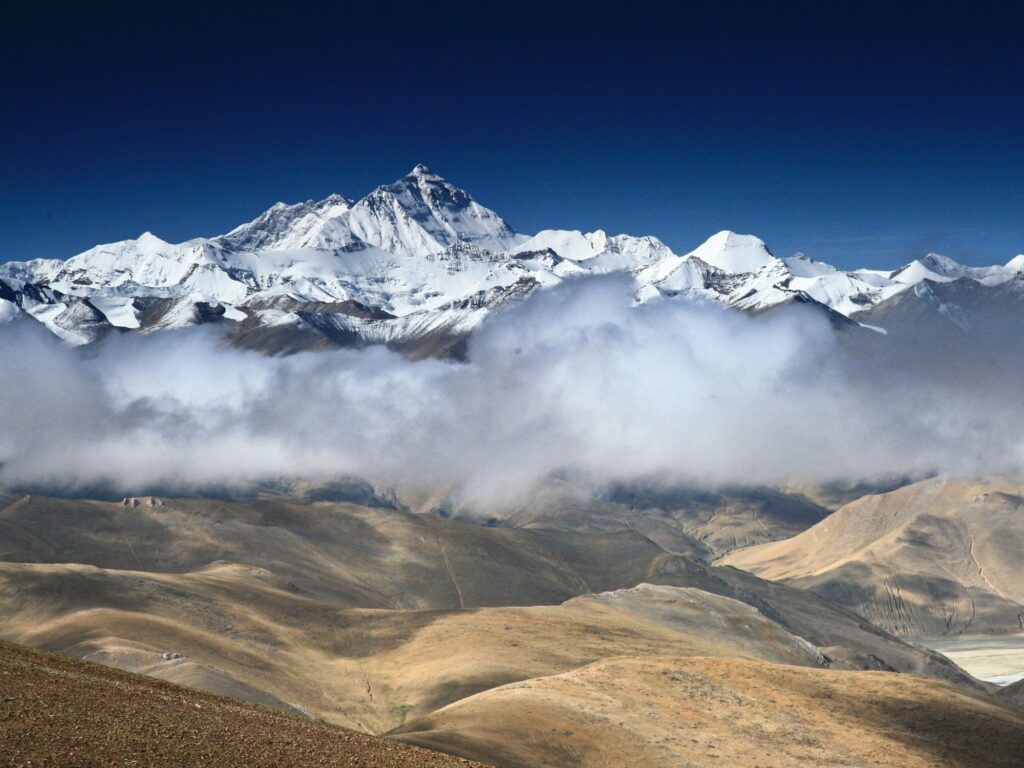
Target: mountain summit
[[420, 263], [734, 253], [423, 213]]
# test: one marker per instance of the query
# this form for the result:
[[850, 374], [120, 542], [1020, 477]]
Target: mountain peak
[[943, 265], [728, 236], [423, 213], [926, 268], [335, 199], [734, 253], [802, 265], [148, 241], [420, 171]]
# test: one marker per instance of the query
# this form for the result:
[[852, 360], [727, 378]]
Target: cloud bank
[[576, 379]]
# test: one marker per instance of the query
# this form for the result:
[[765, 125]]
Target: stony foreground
[[56, 711]]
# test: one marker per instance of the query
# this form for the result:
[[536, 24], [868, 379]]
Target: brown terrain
[[934, 558], [1014, 695], [404, 624], [703, 525], [56, 711], [664, 711]]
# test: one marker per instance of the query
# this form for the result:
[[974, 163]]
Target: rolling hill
[[462, 637], [934, 558], [660, 711]]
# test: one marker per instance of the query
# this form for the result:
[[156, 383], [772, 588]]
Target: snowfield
[[422, 259]]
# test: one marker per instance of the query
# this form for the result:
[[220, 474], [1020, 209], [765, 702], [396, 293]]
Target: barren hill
[[699, 524], [936, 557], [379, 620], [662, 711]]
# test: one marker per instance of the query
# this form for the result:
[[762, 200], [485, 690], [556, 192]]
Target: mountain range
[[418, 264], [521, 645]]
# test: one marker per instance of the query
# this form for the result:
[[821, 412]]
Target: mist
[[574, 380]]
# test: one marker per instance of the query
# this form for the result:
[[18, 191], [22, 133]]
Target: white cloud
[[575, 379]]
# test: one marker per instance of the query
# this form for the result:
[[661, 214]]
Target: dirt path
[[451, 572]]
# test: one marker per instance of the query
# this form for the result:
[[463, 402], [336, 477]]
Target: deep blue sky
[[860, 133]]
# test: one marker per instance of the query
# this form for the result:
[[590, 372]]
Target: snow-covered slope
[[734, 254], [302, 225], [419, 264], [597, 253], [424, 214]]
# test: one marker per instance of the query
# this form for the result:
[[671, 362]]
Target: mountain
[[423, 214], [931, 309], [934, 558], [260, 597], [418, 264], [702, 525], [451, 635], [734, 254]]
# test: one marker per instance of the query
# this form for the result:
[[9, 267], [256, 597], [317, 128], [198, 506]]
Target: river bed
[[996, 658]]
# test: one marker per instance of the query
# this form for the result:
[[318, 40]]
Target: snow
[[423, 214], [119, 310], [48, 315], [399, 284], [569, 244], [846, 293], [8, 310], [674, 276], [430, 254], [234, 313], [625, 253], [734, 253], [803, 266], [596, 252], [765, 288], [916, 271]]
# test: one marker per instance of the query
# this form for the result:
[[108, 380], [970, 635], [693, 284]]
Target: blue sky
[[859, 135]]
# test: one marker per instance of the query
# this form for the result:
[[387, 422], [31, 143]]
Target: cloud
[[576, 379]]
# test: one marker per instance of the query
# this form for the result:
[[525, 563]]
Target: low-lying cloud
[[576, 379]]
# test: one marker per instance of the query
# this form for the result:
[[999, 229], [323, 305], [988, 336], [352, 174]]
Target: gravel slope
[[56, 711]]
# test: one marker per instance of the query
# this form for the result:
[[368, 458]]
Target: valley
[[562, 499], [514, 646], [512, 385], [996, 658]]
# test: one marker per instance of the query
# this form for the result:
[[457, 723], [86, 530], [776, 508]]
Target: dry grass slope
[[937, 557], [663, 712], [319, 605], [385, 621]]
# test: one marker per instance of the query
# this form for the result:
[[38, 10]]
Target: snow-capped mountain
[[419, 263]]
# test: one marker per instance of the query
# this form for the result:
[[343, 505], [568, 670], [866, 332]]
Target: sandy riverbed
[[998, 659]]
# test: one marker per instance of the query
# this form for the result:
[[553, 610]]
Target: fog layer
[[576, 379]]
